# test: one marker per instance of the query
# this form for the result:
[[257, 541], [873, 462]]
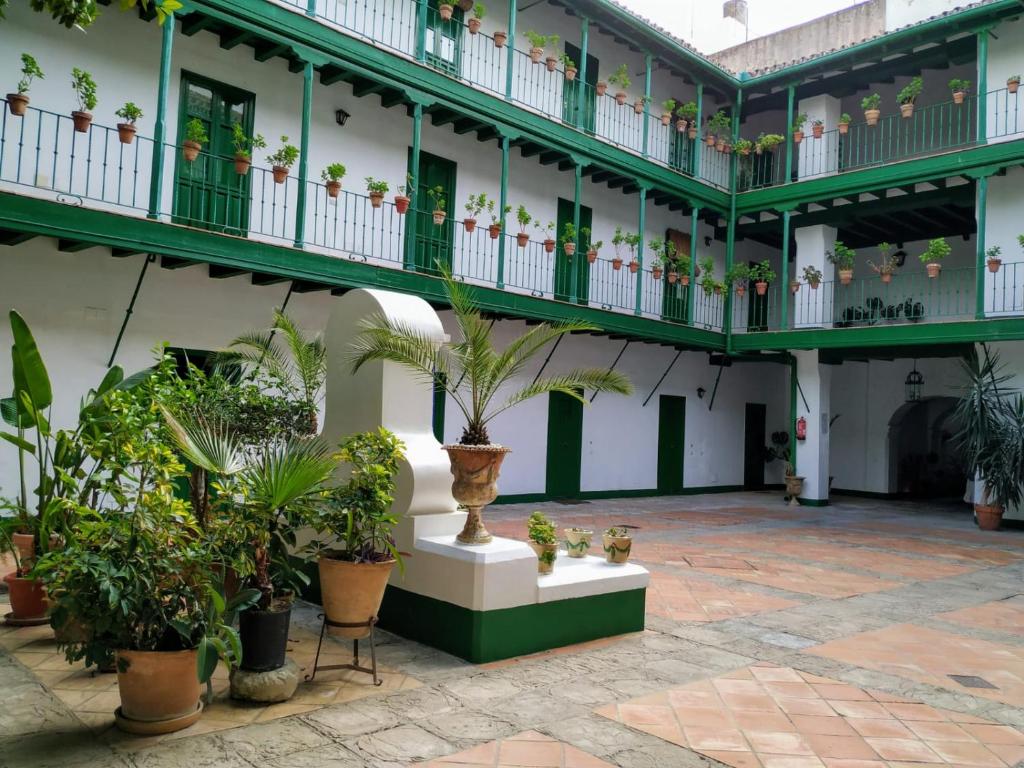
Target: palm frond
[[382, 338], [309, 355], [257, 349], [288, 472], [211, 446], [574, 384]]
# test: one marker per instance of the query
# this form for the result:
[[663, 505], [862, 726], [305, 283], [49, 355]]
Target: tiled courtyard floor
[[860, 635]]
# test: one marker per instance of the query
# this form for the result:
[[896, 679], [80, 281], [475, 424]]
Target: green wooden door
[[570, 92], [671, 443], [565, 446], [564, 266], [207, 191], [434, 242], [443, 43]]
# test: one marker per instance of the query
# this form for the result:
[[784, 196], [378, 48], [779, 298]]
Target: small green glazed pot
[[616, 548], [577, 541]]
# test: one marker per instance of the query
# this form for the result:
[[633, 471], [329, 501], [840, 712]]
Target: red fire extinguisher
[[801, 428]]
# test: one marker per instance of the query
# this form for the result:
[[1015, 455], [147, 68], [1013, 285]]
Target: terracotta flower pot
[[656, 273], [17, 103], [401, 204], [684, 280], [469, 223], [692, 131], [710, 140], [638, 106], [933, 269], [814, 284], [126, 132], [845, 276], [536, 54], [157, 687], [591, 256], [551, 63], [242, 164], [871, 116], [352, 593], [886, 277], [794, 285], [570, 73], [494, 230], [798, 136], [439, 217], [466, 5], [720, 145], [570, 249], [666, 118], [761, 287], [741, 290], [989, 517], [577, 541], [190, 150], [673, 277], [473, 25], [82, 120], [445, 11], [376, 199], [616, 263], [549, 245], [601, 88], [620, 97], [500, 38], [28, 598], [633, 267], [1012, 86], [333, 188], [958, 97], [522, 238], [280, 173], [476, 469], [818, 131], [844, 128], [545, 564], [681, 126], [907, 110], [617, 548], [994, 265]]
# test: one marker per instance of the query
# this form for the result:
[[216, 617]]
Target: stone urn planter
[[794, 487], [159, 691], [577, 541], [352, 594], [617, 546], [476, 469]]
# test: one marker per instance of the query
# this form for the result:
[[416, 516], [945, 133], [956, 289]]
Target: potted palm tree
[[17, 102], [473, 372], [543, 540]]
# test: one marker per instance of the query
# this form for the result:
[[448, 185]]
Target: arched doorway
[[923, 460]]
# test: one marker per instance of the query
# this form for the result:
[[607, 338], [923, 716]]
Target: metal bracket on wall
[[714, 390], [678, 353], [614, 363], [548, 358], [150, 258], [801, 391]]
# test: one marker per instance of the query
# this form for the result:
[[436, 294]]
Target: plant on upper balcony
[[762, 274], [479, 11], [85, 91], [436, 195], [817, 128], [129, 113], [887, 262], [640, 103], [551, 61], [497, 218], [618, 240], [332, 176], [766, 142], [244, 145], [475, 205], [993, 258], [737, 276], [908, 95], [524, 219], [959, 89], [195, 138], [589, 244], [844, 123], [686, 115], [403, 194], [568, 66], [743, 147], [547, 233], [843, 259], [1012, 83], [568, 239], [872, 108], [537, 44], [375, 190], [707, 272], [445, 11], [668, 106], [679, 269], [798, 128], [659, 258], [543, 539], [812, 276], [17, 102], [620, 79], [282, 160], [633, 240], [937, 250]]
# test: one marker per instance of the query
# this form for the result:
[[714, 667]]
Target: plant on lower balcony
[[812, 276], [993, 258], [937, 250], [687, 118], [708, 283], [375, 190], [282, 160], [743, 147], [633, 241], [129, 114], [592, 246], [817, 128], [991, 437], [872, 108], [568, 66], [543, 539], [908, 95], [17, 102], [195, 138], [843, 259], [766, 142], [479, 12], [844, 123], [244, 146], [763, 275], [475, 375], [959, 88], [437, 199], [887, 264], [682, 264], [620, 80], [524, 219], [547, 234], [668, 106], [85, 91], [497, 217], [737, 276], [332, 176], [475, 205], [798, 128], [568, 239], [403, 194]]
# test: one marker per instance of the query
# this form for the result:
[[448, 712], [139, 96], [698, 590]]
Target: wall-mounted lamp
[[341, 116], [707, 241], [701, 392]]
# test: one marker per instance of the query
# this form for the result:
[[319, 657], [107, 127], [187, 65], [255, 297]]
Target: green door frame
[[439, 29], [570, 92], [564, 447], [564, 266], [671, 443], [433, 242]]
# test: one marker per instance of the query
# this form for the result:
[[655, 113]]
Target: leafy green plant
[[523, 218], [737, 274], [937, 250], [284, 157], [85, 89], [436, 195], [633, 240], [956, 85], [497, 216], [29, 71], [812, 275], [909, 93], [195, 131], [687, 111], [546, 231], [333, 172], [845, 119], [568, 232], [762, 272], [567, 63], [719, 124], [476, 204], [538, 40], [668, 106], [874, 101], [994, 253], [407, 189], [540, 529], [375, 186], [743, 146], [619, 239], [130, 112], [616, 532], [768, 141], [75, 13], [620, 78], [841, 256], [479, 11], [887, 261], [798, 122], [471, 370], [244, 144]]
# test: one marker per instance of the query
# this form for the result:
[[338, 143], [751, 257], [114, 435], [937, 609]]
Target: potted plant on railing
[[569, 239], [129, 113], [195, 138], [591, 246], [473, 373], [843, 258], [617, 545], [991, 419], [620, 79], [403, 194], [872, 108], [766, 142], [708, 283], [633, 240], [812, 276], [551, 60], [332, 176], [17, 102], [436, 195], [543, 540], [569, 67], [686, 118], [500, 38], [737, 277], [817, 128], [887, 262], [479, 11], [537, 43], [762, 274], [959, 89], [718, 126], [524, 219], [547, 234], [844, 123], [937, 250], [658, 257], [640, 104], [445, 11], [993, 259], [376, 190], [85, 90], [618, 240], [282, 160], [668, 106], [794, 285], [244, 146], [577, 541], [679, 269], [474, 206], [497, 219], [1012, 83], [743, 147], [908, 95], [798, 128], [601, 87]]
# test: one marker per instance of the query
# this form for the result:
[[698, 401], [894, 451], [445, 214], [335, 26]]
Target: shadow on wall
[[923, 460]]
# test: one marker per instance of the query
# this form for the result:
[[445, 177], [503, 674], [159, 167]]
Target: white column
[[818, 157], [812, 453], [814, 308]]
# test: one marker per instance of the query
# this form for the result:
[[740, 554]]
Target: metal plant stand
[[355, 665]]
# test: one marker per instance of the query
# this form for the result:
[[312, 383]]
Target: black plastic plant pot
[[264, 638]]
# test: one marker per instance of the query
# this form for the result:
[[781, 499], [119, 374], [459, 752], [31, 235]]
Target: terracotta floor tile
[[1001, 615], [687, 597], [735, 759], [791, 690], [648, 714], [990, 733], [764, 721], [530, 753], [778, 743], [1011, 754], [907, 712], [776, 674], [910, 750], [867, 709], [724, 739], [790, 761], [965, 753], [880, 729], [841, 692], [928, 730], [703, 717], [756, 702], [850, 747], [817, 707], [834, 762], [831, 726]]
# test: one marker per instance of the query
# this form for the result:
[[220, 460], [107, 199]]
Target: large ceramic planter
[[476, 469], [617, 548], [352, 594], [264, 637], [546, 556], [28, 599], [989, 517], [794, 487], [159, 691], [577, 542]]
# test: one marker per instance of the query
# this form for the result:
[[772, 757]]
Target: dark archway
[[923, 460]]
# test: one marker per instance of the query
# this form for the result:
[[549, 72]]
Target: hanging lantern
[[912, 385]]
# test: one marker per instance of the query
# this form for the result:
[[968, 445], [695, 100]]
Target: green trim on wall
[[484, 636], [812, 502], [628, 493]]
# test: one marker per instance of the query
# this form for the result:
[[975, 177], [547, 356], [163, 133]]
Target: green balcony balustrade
[[349, 223], [1004, 290], [389, 23], [708, 308]]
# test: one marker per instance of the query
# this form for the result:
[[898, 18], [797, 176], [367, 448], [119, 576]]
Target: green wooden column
[[576, 198], [697, 151], [511, 45], [647, 101], [641, 224], [730, 236], [156, 181], [793, 386], [581, 89], [414, 169], [983, 83], [784, 293], [979, 269], [421, 30], [503, 201], [307, 112], [691, 291], [790, 117]]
